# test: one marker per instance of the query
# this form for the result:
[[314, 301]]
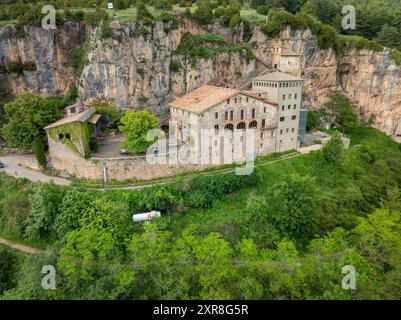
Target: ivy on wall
[[74, 135]]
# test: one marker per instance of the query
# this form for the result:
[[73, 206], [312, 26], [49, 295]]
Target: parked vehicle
[[123, 152], [1, 165]]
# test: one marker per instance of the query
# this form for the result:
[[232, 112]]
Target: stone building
[[73, 131], [286, 91], [216, 120], [287, 61]]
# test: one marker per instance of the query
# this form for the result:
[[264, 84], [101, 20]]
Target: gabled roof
[[81, 117], [203, 98], [206, 97], [277, 76]]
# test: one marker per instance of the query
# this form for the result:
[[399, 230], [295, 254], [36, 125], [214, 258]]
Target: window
[[226, 115], [282, 119], [242, 114], [216, 128], [231, 115], [281, 132], [264, 109], [292, 130], [261, 134], [282, 108], [253, 124], [241, 126], [229, 127], [247, 99], [216, 115], [290, 96], [293, 117], [253, 113], [235, 100], [263, 123], [295, 96], [295, 106], [283, 96], [228, 101], [289, 107], [286, 130]]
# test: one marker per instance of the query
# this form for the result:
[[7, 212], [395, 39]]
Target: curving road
[[12, 168]]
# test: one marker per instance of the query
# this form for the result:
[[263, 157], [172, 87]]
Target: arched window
[[229, 126], [241, 126], [253, 124]]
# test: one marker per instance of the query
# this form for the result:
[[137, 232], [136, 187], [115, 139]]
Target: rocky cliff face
[[42, 54], [133, 67], [371, 79]]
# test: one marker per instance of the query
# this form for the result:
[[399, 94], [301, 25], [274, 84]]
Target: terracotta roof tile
[[206, 97], [203, 98]]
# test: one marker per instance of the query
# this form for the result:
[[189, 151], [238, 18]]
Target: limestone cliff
[[371, 79], [133, 66], [42, 54]]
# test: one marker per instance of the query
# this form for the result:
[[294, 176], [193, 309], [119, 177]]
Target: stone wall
[[64, 159]]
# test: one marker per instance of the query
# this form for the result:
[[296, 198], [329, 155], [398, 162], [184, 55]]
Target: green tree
[[45, 201], [73, 207], [204, 12], [27, 116], [292, 207], [39, 150], [7, 269], [343, 109], [87, 253], [389, 36], [135, 126], [333, 150], [142, 13]]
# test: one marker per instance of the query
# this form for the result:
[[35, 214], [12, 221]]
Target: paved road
[[13, 169], [20, 247]]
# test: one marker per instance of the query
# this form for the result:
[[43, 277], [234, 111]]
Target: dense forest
[[283, 232]]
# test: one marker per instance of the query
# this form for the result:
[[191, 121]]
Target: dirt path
[[20, 247]]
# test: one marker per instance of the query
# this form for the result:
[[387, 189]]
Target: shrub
[[75, 57], [333, 150], [93, 144], [263, 9], [7, 270], [39, 150], [45, 202], [175, 66], [15, 67], [94, 18], [105, 30]]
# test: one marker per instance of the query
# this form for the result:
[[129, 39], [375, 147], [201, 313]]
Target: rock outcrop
[[371, 79], [133, 67], [42, 56]]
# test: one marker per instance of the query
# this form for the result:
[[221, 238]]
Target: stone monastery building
[[270, 110]]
